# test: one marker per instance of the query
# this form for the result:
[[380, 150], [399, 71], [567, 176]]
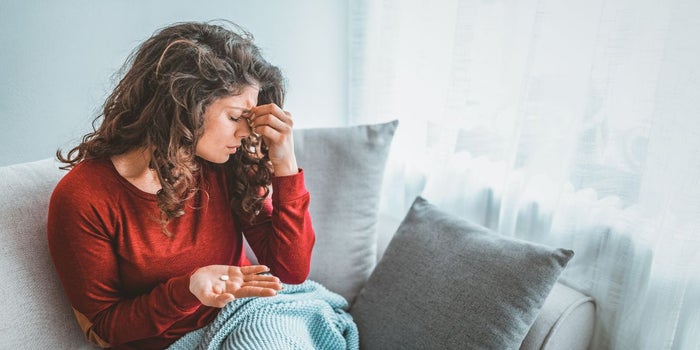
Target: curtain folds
[[573, 123]]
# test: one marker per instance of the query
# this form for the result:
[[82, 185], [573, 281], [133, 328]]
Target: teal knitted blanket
[[303, 316]]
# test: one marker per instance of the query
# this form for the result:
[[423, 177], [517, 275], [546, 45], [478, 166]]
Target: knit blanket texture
[[303, 316]]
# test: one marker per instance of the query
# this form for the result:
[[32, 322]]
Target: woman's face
[[225, 125]]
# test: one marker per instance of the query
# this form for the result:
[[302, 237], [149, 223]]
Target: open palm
[[208, 285]]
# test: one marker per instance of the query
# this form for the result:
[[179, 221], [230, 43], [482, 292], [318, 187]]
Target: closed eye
[[245, 113]]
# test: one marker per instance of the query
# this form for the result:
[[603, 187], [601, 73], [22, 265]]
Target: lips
[[232, 149]]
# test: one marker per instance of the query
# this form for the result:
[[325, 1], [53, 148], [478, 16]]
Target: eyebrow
[[237, 107], [243, 109]]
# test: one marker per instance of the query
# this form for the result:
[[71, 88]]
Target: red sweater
[[128, 283]]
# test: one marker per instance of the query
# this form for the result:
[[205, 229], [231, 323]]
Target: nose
[[243, 129]]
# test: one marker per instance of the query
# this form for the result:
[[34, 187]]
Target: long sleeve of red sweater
[[128, 283], [285, 247]]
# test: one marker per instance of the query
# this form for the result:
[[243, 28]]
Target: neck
[[134, 167], [132, 163]]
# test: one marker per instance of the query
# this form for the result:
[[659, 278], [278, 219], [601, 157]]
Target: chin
[[221, 160], [216, 160]]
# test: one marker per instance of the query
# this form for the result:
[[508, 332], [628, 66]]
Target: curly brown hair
[[159, 105]]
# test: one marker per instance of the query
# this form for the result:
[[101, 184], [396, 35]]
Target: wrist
[[181, 291], [285, 167]]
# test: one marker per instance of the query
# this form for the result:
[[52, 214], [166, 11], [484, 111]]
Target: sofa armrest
[[566, 321]]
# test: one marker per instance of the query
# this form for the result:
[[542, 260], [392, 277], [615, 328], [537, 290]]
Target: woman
[[146, 230]]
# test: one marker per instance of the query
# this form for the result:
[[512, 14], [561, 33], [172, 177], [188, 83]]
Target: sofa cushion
[[566, 321], [440, 267], [35, 311], [344, 168]]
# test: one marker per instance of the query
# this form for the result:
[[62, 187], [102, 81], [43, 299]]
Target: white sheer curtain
[[573, 123]]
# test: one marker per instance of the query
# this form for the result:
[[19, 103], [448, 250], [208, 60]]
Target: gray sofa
[[36, 314]]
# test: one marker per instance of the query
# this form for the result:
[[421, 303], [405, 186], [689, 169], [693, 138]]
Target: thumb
[[223, 299]]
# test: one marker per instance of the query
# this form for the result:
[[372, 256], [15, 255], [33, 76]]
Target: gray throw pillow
[[445, 283], [343, 169]]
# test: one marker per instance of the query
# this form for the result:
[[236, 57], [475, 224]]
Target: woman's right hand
[[212, 289]]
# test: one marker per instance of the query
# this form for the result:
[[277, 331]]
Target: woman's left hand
[[274, 125], [216, 285]]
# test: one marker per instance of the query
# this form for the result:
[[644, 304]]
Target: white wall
[[57, 60]]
